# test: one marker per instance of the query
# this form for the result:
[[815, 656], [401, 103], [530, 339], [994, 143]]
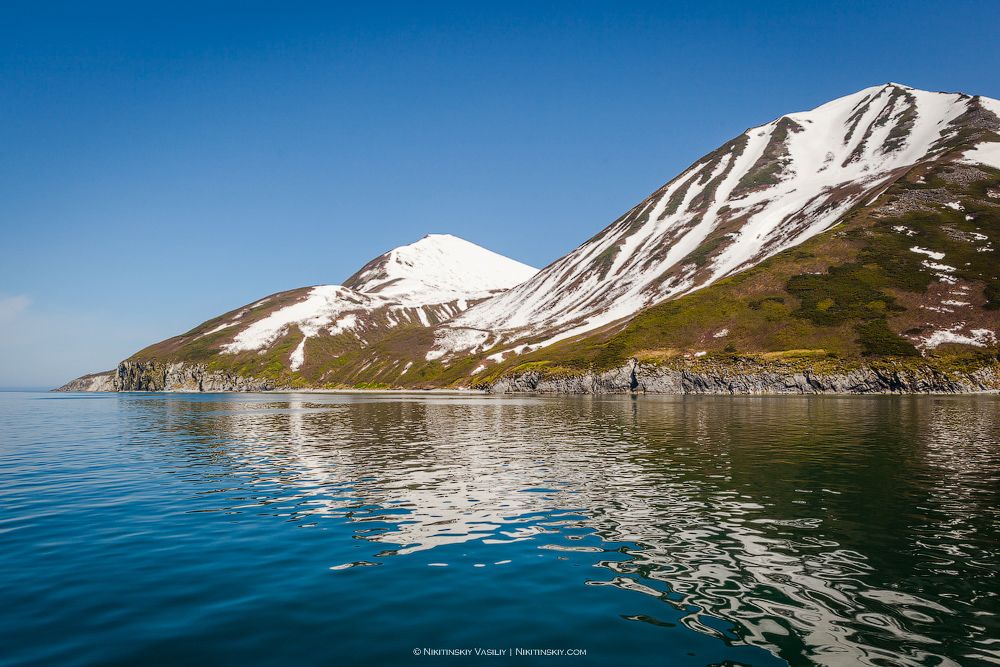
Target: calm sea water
[[354, 529]]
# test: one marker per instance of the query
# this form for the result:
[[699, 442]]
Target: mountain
[[422, 284], [304, 336], [805, 254], [770, 188]]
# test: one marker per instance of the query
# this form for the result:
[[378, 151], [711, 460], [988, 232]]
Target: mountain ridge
[[571, 288]]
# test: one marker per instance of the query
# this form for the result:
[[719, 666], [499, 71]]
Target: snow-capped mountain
[[419, 285], [425, 283], [770, 188]]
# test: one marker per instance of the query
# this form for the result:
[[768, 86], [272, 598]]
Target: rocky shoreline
[[157, 376], [747, 376], [739, 376]]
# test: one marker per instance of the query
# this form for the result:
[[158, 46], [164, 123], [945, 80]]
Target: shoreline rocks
[[157, 376], [742, 376], [748, 377]]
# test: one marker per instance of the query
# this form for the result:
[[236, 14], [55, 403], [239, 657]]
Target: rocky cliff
[[751, 376], [735, 376], [155, 376]]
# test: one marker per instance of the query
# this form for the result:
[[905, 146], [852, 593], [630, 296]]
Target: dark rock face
[[745, 377], [156, 376], [753, 378]]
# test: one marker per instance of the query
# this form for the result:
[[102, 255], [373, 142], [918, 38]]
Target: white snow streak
[[976, 337], [929, 253], [298, 356]]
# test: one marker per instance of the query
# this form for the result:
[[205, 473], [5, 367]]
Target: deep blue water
[[340, 529]]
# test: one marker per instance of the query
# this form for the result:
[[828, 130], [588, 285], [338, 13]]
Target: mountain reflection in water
[[830, 531]]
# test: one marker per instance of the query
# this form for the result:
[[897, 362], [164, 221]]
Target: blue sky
[[163, 164]]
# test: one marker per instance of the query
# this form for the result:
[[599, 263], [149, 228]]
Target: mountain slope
[[905, 287], [769, 189]]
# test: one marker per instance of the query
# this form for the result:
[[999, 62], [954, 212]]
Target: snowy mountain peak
[[424, 283], [439, 268]]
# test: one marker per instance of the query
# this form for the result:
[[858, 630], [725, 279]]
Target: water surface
[[353, 529]]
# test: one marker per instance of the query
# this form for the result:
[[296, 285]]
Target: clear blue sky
[[161, 165]]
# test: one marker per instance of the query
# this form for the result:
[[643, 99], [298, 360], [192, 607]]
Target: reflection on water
[[830, 531]]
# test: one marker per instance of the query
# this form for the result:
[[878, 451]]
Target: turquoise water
[[352, 529]]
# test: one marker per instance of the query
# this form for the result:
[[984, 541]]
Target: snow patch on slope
[[985, 153], [975, 337], [319, 309], [930, 253], [298, 356]]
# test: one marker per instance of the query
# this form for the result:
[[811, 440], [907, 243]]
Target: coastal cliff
[[732, 375], [156, 376], [753, 376]]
